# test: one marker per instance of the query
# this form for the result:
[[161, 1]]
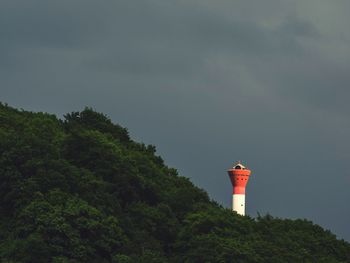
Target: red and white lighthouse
[[239, 176]]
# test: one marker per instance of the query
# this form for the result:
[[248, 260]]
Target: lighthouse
[[239, 176]]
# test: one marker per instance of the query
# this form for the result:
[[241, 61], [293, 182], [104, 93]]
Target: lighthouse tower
[[239, 176]]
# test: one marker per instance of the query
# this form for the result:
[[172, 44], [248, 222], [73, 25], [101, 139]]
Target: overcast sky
[[208, 83]]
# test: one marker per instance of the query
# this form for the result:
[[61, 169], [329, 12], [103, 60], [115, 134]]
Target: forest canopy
[[79, 189]]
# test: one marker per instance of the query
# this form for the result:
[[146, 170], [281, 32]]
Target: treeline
[[80, 190]]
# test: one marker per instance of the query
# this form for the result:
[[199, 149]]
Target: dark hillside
[[80, 190]]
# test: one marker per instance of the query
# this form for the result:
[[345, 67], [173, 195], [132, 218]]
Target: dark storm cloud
[[38, 23], [184, 39], [208, 82]]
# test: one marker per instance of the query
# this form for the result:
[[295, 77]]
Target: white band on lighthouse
[[238, 203]]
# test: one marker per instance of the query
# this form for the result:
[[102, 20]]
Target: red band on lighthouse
[[238, 190]]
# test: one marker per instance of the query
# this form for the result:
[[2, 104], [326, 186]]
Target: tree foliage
[[80, 190]]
